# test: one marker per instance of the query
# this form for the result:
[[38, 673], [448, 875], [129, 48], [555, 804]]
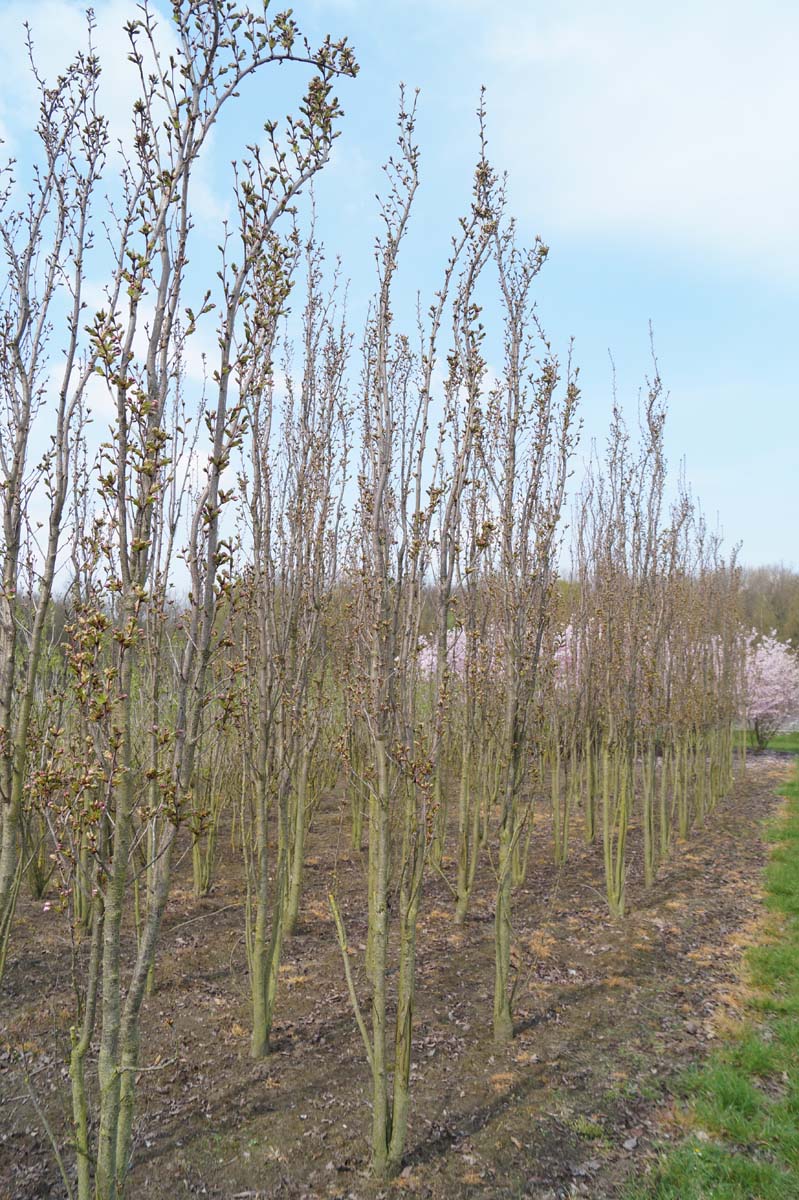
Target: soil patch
[[607, 1013]]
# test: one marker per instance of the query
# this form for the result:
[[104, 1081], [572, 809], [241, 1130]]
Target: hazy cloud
[[59, 31], [674, 121]]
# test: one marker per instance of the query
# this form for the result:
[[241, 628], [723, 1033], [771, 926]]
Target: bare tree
[[181, 95], [44, 243], [292, 511], [530, 436], [411, 482]]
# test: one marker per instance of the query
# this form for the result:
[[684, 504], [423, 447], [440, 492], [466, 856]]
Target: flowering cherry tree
[[772, 686], [456, 654]]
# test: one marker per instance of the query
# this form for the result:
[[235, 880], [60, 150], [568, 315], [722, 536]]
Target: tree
[[772, 686], [769, 602], [127, 548], [45, 241], [527, 445], [292, 506]]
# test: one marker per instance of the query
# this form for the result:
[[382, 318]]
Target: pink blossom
[[772, 686], [456, 654]]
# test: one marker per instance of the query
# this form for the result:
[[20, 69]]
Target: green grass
[[743, 1105], [780, 741], [584, 1127]]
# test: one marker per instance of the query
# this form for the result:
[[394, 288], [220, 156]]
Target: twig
[[342, 941], [437, 867], [46, 1124], [153, 1067], [203, 916]]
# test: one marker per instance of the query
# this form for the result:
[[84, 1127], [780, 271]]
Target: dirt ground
[[608, 1012]]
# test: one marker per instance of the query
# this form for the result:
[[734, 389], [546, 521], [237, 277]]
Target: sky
[[654, 149]]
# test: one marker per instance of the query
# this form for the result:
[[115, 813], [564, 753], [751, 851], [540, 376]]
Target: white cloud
[[674, 121], [59, 31]]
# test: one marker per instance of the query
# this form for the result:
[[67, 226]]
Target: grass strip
[[742, 1106], [780, 741]]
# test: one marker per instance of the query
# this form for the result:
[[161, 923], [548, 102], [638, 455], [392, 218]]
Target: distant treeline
[[769, 601]]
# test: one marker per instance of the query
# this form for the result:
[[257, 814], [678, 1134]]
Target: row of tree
[[368, 532]]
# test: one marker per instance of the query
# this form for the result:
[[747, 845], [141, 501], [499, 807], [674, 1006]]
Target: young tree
[[216, 47], [297, 463], [530, 434], [408, 478], [45, 243], [772, 686]]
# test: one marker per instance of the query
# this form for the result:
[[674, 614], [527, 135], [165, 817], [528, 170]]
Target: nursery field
[[374, 808], [608, 1013]]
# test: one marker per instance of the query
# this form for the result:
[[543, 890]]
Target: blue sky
[[654, 149]]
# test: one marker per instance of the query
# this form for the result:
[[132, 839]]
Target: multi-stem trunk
[[510, 829], [664, 811], [260, 1034], [410, 898], [130, 1026], [299, 825], [469, 840], [81, 1041], [591, 775], [503, 1014], [379, 831], [108, 1065], [648, 815], [559, 817], [615, 816]]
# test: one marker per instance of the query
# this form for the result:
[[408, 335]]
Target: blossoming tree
[[772, 686]]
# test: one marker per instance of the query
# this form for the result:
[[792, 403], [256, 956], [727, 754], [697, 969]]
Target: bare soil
[[608, 1013]]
